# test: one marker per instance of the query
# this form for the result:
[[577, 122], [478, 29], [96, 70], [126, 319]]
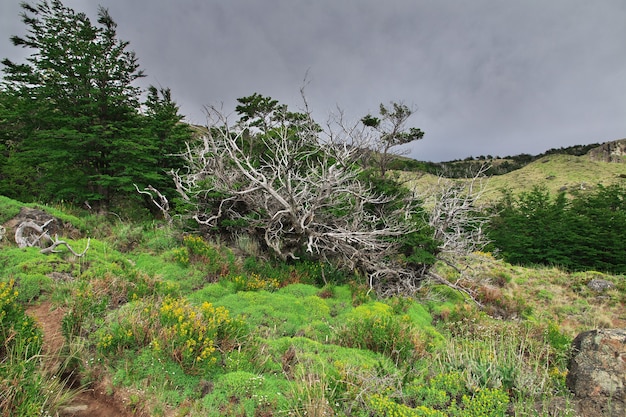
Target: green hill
[[557, 172]]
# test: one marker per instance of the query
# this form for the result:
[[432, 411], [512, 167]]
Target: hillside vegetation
[[270, 265], [176, 325], [555, 172]]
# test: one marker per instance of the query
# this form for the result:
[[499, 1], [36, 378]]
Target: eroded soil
[[89, 401]]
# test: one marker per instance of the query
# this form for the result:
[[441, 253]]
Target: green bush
[[31, 286], [386, 407], [174, 329], [373, 326], [484, 403], [21, 380]]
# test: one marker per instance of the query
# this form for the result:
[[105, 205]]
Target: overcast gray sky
[[498, 77]]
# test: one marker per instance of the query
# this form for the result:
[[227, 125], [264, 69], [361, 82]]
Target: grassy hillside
[[555, 172], [561, 172], [168, 324]]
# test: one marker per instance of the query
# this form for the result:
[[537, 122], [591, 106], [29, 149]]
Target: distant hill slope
[[603, 164], [561, 173], [614, 151]]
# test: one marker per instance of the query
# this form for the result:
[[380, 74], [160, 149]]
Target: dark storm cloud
[[487, 76]]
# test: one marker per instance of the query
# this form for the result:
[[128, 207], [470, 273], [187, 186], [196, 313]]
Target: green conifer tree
[[77, 132]]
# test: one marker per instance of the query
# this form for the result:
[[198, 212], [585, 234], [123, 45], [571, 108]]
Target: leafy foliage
[[581, 234], [70, 116], [20, 376], [391, 133]]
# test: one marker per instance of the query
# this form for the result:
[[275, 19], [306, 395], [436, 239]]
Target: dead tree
[[301, 194], [458, 223], [29, 234]]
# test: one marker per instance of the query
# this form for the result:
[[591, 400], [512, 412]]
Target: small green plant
[[254, 282], [386, 407], [484, 403], [181, 255], [374, 326], [213, 259], [440, 392]]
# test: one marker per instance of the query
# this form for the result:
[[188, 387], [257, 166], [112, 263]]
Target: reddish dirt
[[92, 402]]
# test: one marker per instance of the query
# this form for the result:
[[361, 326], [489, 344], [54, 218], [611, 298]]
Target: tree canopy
[[71, 114], [582, 233]]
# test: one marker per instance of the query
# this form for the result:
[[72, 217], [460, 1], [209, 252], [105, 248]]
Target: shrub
[[174, 328], [214, 260], [85, 305], [20, 378], [386, 407], [254, 282], [440, 392], [484, 403], [374, 327]]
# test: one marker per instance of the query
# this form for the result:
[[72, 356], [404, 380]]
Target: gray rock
[[597, 372], [600, 285]]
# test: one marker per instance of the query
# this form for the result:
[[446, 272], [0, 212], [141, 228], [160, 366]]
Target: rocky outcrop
[[610, 152], [33, 215], [597, 372]]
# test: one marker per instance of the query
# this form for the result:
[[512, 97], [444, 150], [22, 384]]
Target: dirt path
[[93, 402]]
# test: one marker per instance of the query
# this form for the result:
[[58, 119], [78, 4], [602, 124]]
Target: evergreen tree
[[165, 126], [586, 232], [74, 111]]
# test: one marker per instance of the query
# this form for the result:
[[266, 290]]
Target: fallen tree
[[301, 190], [29, 234], [298, 189]]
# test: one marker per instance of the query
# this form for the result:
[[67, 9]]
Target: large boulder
[[597, 372]]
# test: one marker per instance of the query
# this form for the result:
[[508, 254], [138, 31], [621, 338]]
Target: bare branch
[[163, 204], [455, 215], [29, 234], [56, 242], [458, 226], [297, 188]]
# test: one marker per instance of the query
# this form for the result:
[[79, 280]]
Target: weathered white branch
[[56, 242], [24, 237], [163, 204], [302, 194]]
